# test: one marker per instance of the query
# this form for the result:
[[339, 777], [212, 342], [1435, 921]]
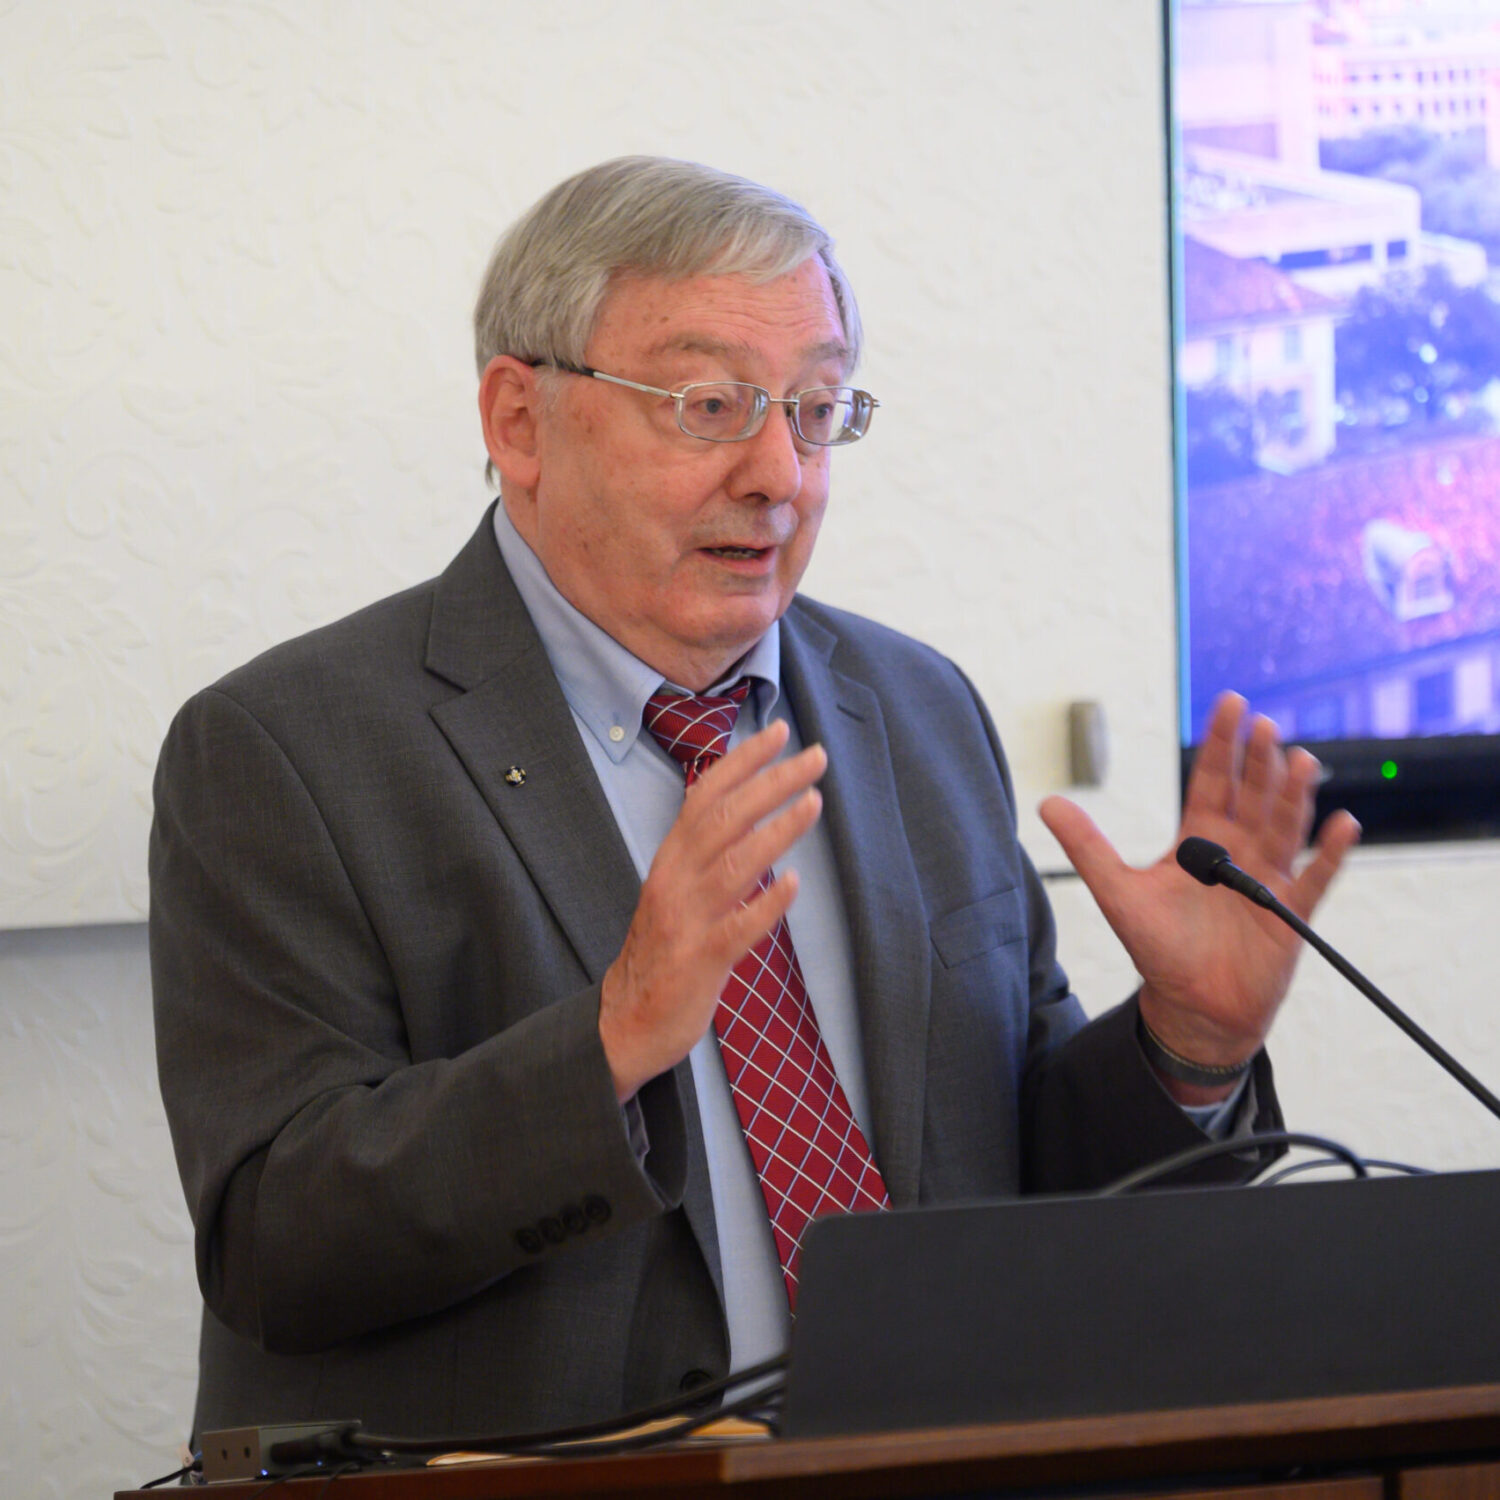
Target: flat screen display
[[1336, 296]]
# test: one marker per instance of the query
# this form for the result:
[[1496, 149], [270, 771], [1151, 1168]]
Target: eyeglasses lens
[[722, 412], [832, 414]]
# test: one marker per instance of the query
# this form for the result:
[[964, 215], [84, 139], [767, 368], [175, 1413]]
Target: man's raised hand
[[699, 911], [1214, 967]]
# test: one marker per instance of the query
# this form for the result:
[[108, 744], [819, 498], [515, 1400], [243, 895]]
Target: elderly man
[[503, 1072]]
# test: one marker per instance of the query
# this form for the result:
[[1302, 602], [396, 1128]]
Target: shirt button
[[616, 733]]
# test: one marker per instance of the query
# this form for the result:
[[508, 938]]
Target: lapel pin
[[516, 776]]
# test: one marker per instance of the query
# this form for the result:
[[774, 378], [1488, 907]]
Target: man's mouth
[[738, 552]]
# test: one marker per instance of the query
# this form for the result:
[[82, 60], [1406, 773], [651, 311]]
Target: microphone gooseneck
[[1210, 863]]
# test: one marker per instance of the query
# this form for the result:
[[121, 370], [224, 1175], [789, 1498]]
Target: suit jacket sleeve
[[335, 1185], [1094, 1110]]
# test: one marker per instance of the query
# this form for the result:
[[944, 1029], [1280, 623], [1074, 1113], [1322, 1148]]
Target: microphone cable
[[1395, 1168], [631, 1442], [1209, 1150], [611, 1435]]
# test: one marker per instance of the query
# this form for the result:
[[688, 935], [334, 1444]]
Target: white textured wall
[[238, 245], [98, 1317], [238, 248]]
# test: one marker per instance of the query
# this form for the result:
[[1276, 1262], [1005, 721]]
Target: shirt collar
[[606, 685]]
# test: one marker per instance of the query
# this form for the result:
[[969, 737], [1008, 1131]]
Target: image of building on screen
[[1337, 208]]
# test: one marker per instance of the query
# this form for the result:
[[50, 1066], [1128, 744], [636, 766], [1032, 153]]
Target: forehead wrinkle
[[722, 348], [701, 343]]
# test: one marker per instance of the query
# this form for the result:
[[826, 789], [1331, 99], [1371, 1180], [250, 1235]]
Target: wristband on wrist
[[1184, 1069]]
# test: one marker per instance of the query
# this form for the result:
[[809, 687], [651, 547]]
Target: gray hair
[[647, 215]]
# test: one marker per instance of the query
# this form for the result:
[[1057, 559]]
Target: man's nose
[[771, 461]]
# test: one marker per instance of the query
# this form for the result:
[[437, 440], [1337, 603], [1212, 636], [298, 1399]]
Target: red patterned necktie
[[810, 1155]]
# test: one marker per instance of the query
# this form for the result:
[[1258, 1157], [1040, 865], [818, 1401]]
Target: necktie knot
[[694, 728]]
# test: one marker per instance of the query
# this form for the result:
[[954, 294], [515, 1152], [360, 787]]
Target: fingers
[[1089, 852], [743, 765], [749, 756], [733, 828], [1291, 812], [721, 846], [1339, 834], [758, 916], [739, 868], [1262, 778], [1267, 792], [1211, 786], [721, 809]]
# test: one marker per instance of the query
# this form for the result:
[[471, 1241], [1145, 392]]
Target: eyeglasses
[[729, 411]]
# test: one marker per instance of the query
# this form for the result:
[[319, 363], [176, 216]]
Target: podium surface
[[1414, 1445]]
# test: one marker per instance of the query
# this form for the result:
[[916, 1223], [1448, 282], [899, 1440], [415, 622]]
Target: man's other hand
[[1214, 966], [699, 911]]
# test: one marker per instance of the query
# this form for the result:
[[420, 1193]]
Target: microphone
[[1210, 864]]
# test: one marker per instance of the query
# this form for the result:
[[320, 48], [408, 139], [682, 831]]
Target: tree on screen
[[1219, 430], [1415, 343], [1460, 191]]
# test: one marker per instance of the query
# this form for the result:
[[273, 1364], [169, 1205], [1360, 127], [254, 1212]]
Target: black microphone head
[[1203, 859]]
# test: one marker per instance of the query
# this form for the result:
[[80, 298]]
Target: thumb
[[1089, 852]]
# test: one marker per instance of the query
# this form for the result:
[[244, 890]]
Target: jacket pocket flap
[[975, 929]]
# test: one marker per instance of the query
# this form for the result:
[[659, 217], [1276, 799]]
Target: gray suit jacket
[[376, 964]]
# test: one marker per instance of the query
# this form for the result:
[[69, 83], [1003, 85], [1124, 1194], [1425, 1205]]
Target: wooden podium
[[1414, 1445]]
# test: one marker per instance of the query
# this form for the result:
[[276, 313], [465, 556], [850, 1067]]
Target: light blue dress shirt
[[606, 688]]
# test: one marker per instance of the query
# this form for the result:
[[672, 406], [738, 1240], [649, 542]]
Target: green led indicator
[[1389, 769]]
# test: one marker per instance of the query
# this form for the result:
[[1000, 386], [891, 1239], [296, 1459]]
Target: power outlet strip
[[245, 1452]]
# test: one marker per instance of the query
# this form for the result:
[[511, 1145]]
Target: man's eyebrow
[[717, 348]]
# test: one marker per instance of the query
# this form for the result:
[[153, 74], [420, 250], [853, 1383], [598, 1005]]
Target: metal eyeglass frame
[[864, 403]]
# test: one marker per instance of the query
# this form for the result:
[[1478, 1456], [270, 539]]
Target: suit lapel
[[512, 714], [882, 898]]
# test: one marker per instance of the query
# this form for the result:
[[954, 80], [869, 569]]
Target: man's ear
[[509, 407]]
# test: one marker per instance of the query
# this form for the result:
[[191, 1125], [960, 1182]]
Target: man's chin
[[718, 638]]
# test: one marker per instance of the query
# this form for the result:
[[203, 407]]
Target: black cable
[[338, 1473], [1297, 1168], [366, 1441], [181, 1473], [638, 1440], [306, 1471], [1211, 1149], [1405, 1168]]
